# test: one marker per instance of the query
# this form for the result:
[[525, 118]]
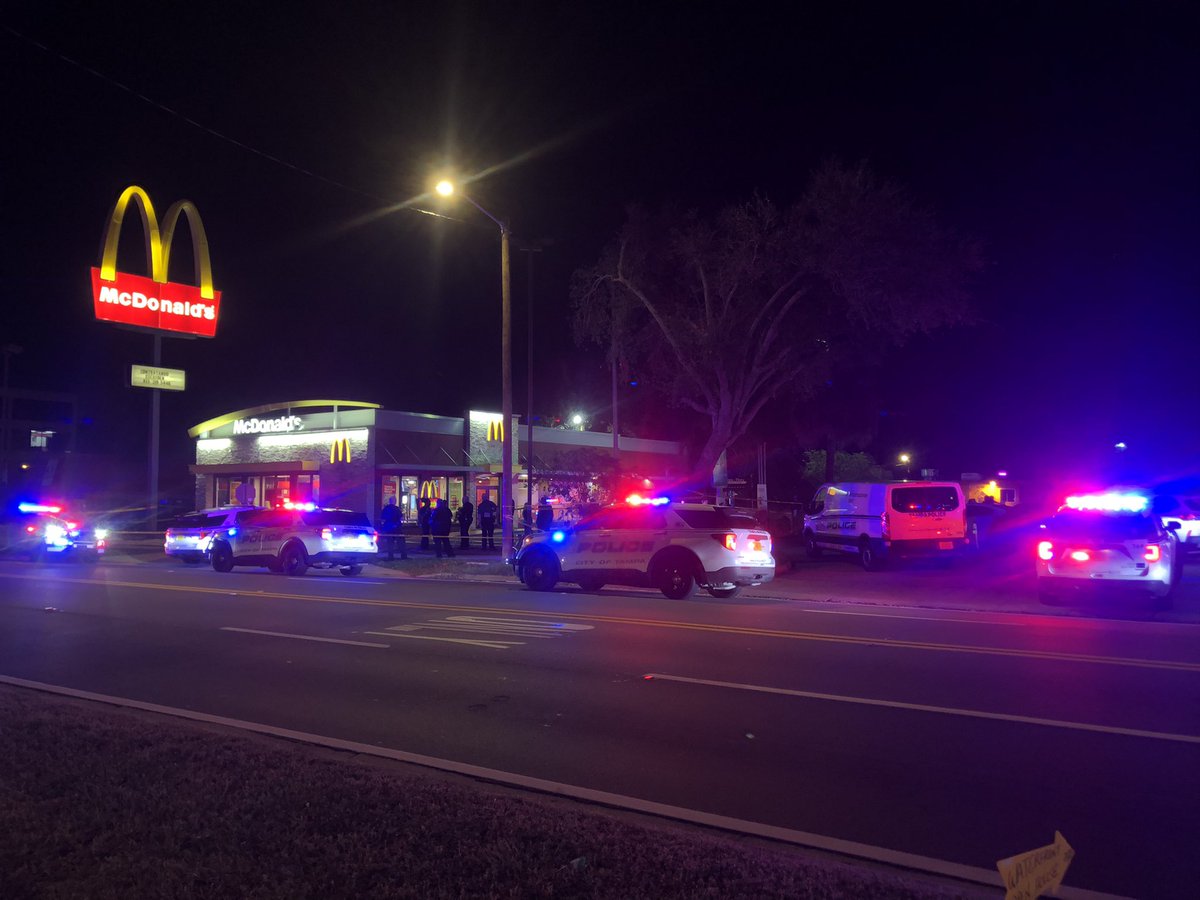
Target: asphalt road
[[967, 737]]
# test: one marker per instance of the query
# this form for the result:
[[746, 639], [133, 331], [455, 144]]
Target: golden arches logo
[[158, 244], [431, 489], [339, 450], [495, 430]]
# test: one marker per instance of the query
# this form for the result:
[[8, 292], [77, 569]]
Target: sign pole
[[154, 401]]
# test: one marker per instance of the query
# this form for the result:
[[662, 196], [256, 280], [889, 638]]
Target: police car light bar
[[303, 507], [639, 500], [38, 508], [1108, 502]]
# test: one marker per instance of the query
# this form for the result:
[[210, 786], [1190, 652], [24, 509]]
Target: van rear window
[[924, 499]]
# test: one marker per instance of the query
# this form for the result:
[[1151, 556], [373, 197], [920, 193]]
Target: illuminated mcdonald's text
[[495, 430], [150, 301]]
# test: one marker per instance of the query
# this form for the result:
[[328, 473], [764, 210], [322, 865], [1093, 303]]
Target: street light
[[446, 188]]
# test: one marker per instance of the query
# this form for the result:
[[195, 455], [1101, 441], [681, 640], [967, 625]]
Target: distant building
[[357, 455]]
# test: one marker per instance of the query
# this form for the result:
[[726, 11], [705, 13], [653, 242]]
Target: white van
[[876, 521]]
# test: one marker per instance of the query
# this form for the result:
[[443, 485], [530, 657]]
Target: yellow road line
[[888, 643]]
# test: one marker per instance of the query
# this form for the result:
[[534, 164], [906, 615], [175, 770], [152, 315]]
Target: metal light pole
[[446, 188]]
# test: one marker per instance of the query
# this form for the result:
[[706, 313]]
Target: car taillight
[[759, 543], [327, 534], [31, 529], [1045, 550], [1153, 553], [1080, 555], [728, 541]]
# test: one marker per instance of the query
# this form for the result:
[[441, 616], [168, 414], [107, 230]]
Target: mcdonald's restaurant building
[[355, 455]]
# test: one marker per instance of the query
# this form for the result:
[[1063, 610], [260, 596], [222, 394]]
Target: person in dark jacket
[[441, 520], [390, 522], [545, 515], [487, 522], [424, 520], [466, 513], [527, 519]]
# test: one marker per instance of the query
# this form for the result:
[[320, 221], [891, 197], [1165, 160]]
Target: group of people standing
[[435, 522]]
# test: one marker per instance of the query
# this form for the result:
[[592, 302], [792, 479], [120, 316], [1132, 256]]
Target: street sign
[[1030, 875], [153, 377]]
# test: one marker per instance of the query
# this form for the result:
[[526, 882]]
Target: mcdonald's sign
[[495, 430], [339, 450], [153, 302]]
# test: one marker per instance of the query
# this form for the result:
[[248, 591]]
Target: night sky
[[1063, 136]]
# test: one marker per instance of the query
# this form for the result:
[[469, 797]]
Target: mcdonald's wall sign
[[339, 450], [153, 302]]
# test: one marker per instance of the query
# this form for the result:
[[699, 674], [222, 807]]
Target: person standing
[[424, 521], [466, 513], [440, 522], [527, 519], [545, 515], [390, 522], [487, 522]]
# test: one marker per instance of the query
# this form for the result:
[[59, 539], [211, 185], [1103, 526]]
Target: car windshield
[[333, 517], [1097, 526], [192, 520], [715, 518], [924, 499]]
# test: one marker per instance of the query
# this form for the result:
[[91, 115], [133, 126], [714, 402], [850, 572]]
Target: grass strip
[[101, 802]]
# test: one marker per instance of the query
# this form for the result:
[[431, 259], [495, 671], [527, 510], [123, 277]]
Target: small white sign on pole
[[155, 377]]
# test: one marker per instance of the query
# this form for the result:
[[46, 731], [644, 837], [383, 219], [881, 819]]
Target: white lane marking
[[921, 707], [550, 629], [649, 807], [494, 645], [305, 637]]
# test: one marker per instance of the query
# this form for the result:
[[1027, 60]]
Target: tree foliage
[[727, 311]]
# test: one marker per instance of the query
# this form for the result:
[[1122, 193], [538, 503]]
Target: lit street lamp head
[[444, 188]]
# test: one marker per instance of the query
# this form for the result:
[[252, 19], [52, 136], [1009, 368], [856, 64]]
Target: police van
[[652, 542], [878, 520]]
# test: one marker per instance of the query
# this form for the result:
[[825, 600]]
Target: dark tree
[[728, 311]]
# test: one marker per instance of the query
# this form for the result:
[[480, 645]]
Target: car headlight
[[101, 534]]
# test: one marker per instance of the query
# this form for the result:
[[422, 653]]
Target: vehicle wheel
[[1047, 595], [675, 577], [222, 557], [350, 571], [292, 560], [870, 558], [724, 593], [811, 550], [591, 585], [541, 572]]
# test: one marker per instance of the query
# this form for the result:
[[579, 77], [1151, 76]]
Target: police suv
[[295, 536], [1107, 542], [652, 542]]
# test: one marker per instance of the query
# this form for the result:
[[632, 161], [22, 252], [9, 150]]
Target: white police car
[[1105, 542], [651, 542], [295, 536], [191, 535], [43, 531]]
